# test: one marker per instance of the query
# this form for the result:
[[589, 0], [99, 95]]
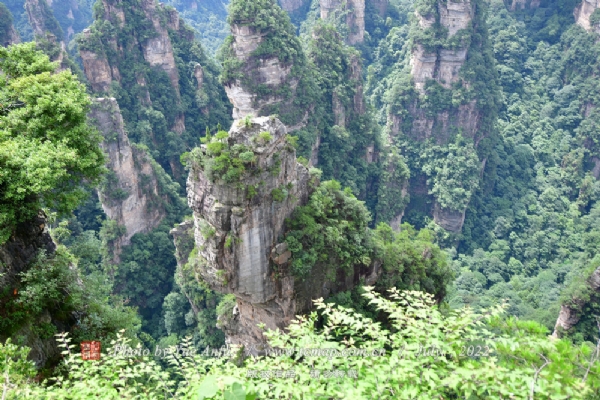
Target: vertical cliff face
[[42, 19], [47, 31], [265, 70], [349, 137], [131, 196], [239, 230], [167, 101], [354, 11], [450, 95], [16, 257], [293, 5], [8, 33], [583, 15], [524, 4], [571, 311], [158, 50], [442, 65], [156, 46], [270, 72], [98, 71]]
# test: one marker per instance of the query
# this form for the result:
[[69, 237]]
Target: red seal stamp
[[90, 350]]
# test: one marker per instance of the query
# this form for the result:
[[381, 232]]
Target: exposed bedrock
[[355, 16], [239, 240], [130, 195], [584, 11]]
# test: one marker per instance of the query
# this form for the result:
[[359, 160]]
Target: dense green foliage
[[221, 161], [47, 150], [348, 129], [528, 178], [52, 286], [47, 147], [332, 232], [532, 227], [459, 355]]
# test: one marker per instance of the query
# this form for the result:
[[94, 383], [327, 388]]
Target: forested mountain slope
[[448, 147], [522, 161]]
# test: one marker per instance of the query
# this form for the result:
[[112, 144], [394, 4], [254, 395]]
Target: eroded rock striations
[[239, 231], [583, 13], [131, 196], [449, 96], [354, 11], [47, 31]]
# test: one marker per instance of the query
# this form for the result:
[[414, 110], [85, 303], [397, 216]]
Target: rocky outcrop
[[442, 65], [437, 65], [239, 235], [47, 30], [265, 66], [293, 5], [450, 220], [131, 196], [42, 19], [584, 11], [158, 50], [97, 69], [252, 228], [16, 257], [596, 169], [524, 4], [151, 70], [354, 10], [8, 33], [268, 71], [570, 311]]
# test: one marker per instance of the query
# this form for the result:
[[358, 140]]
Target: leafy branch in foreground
[[520, 362]]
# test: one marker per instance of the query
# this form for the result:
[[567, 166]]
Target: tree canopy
[[47, 147]]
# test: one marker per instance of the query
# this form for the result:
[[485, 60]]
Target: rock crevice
[[130, 195], [239, 236]]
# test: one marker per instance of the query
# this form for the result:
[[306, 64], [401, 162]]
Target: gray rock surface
[[137, 208], [267, 71], [157, 51], [442, 66], [584, 11], [354, 11], [570, 312], [239, 240]]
